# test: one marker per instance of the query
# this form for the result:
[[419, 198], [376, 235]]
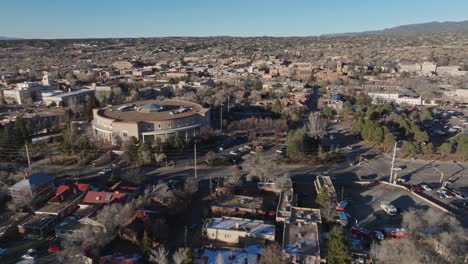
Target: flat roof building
[[149, 120], [232, 230], [301, 240], [237, 204]]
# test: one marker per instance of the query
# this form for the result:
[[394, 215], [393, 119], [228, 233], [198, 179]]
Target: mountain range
[[412, 29], [8, 38], [404, 30]]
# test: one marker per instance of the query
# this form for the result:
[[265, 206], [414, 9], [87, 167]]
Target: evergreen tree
[[145, 154], [336, 249], [146, 243], [276, 107], [131, 150], [323, 198]]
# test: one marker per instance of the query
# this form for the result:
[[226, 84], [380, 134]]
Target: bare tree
[[191, 186], [397, 251], [262, 167], [273, 255], [316, 125], [159, 256]]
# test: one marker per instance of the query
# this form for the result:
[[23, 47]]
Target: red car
[[417, 188], [54, 249]]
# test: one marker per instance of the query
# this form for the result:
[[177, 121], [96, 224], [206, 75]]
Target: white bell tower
[[45, 78]]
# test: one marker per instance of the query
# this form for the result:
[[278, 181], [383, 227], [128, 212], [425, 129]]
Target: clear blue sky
[[152, 18]]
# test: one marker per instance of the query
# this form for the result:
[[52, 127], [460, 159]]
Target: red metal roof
[[94, 197]]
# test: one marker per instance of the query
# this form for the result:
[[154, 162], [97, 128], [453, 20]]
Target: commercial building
[[149, 120], [60, 98], [232, 230], [26, 92], [301, 240], [37, 226]]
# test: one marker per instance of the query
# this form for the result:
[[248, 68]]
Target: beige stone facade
[[149, 120]]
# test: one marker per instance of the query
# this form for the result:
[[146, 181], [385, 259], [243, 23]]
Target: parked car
[[401, 180], [31, 254], [349, 147], [460, 203], [416, 188], [397, 168], [388, 208], [444, 194], [379, 234], [54, 249], [426, 187], [232, 152]]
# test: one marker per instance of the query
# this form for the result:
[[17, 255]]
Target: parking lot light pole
[[393, 163]]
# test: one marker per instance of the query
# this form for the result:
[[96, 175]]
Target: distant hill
[[412, 29], [8, 38]]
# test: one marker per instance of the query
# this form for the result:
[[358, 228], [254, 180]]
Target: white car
[[444, 194], [280, 150], [349, 147], [401, 180], [30, 255], [426, 187], [232, 152], [397, 168], [248, 147]]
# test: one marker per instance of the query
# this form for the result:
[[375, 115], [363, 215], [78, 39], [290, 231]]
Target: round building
[[149, 120]]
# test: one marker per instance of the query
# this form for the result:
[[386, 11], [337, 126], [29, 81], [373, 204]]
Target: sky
[[155, 18]]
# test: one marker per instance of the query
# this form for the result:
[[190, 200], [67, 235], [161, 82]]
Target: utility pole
[[211, 185], [195, 157], [342, 191], [185, 236], [221, 125], [27, 155], [393, 163]]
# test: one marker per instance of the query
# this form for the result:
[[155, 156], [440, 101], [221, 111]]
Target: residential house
[[103, 197], [65, 201], [142, 221], [34, 189]]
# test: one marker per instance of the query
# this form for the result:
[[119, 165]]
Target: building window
[[159, 126], [170, 124], [124, 134], [178, 123]]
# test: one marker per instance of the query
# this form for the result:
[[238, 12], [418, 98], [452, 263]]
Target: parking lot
[[366, 199]]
